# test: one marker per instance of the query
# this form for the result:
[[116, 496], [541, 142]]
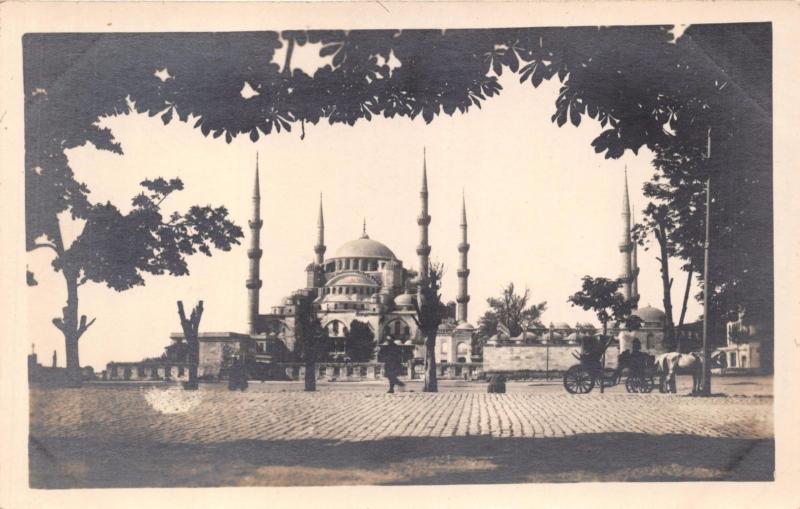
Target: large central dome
[[364, 248]]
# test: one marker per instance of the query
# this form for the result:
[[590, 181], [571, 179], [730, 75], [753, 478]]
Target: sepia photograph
[[406, 256]]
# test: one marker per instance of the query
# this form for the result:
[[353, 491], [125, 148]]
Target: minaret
[[254, 254], [319, 249], [463, 271], [423, 249], [626, 246], [634, 268]]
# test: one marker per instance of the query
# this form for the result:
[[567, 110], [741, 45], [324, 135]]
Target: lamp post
[[706, 375]]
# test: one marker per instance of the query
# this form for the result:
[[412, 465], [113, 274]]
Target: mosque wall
[[536, 357]]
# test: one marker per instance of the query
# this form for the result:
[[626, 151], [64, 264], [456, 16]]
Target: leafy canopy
[[512, 310], [644, 88], [360, 342], [602, 296], [119, 249]]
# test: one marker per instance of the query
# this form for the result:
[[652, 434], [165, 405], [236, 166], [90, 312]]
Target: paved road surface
[[122, 435]]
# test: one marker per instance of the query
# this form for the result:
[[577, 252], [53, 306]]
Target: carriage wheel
[[646, 385], [610, 377], [632, 384], [578, 380]]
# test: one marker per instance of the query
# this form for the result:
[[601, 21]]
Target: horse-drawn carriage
[[582, 377]]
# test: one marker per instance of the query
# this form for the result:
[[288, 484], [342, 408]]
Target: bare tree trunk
[[287, 63], [430, 384], [666, 282], [191, 327], [685, 303], [72, 328], [686, 297], [310, 377], [194, 360], [603, 361]]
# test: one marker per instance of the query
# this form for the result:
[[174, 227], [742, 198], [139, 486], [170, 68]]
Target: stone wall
[[146, 371], [536, 358], [353, 372], [40, 375], [215, 347]]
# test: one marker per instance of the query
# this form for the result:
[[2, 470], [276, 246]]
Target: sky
[[543, 210]]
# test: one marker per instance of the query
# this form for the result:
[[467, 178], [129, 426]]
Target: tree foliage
[[118, 249], [312, 343], [644, 88], [429, 313], [512, 310], [360, 342], [602, 296]]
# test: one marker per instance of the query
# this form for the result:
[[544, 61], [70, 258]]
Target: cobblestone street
[[131, 436]]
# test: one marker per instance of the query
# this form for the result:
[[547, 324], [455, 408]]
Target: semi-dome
[[555, 336], [364, 247], [404, 299], [351, 280], [649, 314], [562, 325]]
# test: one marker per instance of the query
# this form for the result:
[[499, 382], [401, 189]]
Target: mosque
[[362, 280]]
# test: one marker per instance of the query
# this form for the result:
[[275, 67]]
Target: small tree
[[312, 343], [429, 314], [191, 326], [512, 310], [360, 343], [119, 249], [602, 296]]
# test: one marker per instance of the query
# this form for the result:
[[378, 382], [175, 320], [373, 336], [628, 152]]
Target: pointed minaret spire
[[463, 271], [423, 220], [319, 248], [463, 209], [256, 184], [626, 246], [626, 202], [424, 171], [254, 253]]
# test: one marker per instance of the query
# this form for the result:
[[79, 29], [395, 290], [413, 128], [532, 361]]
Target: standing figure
[[237, 379], [393, 364]]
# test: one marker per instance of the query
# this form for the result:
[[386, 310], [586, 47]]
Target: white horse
[[670, 364]]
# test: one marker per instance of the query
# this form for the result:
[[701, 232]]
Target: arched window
[[336, 329], [462, 352], [397, 329]]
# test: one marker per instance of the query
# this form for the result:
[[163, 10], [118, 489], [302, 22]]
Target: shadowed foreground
[[86, 463]]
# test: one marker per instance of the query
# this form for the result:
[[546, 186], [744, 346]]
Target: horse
[[671, 364]]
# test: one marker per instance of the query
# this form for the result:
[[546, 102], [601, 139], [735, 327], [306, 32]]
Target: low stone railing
[[375, 371], [150, 371]]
